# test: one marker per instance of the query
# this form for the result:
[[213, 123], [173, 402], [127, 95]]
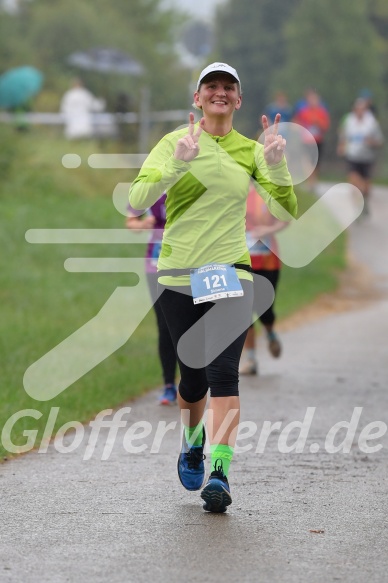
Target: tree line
[[336, 46], [44, 33]]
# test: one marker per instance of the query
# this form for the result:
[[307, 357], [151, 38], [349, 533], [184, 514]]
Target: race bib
[[213, 282]]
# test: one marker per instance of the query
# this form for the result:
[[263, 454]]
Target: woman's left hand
[[274, 143]]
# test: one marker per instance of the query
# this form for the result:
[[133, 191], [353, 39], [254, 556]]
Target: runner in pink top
[[265, 262]]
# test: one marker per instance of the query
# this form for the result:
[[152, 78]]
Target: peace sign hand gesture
[[274, 143], [187, 148]]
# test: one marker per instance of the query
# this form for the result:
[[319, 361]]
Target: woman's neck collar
[[218, 127]]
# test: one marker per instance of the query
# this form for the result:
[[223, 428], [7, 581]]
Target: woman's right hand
[[187, 148], [137, 224]]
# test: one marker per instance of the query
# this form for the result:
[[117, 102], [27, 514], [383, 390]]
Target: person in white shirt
[[360, 136], [77, 106]]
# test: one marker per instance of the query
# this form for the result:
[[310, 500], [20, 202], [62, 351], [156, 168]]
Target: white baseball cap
[[218, 68]]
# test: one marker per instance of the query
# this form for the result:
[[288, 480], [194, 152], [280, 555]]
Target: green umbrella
[[18, 85]]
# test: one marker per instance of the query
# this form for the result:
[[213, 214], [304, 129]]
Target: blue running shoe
[[216, 493], [168, 397], [191, 469]]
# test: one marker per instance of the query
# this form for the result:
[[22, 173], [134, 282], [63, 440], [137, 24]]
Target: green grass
[[41, 304]]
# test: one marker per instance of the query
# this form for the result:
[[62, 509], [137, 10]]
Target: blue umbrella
[[18, 85]]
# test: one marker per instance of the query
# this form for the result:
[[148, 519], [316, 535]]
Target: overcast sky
[[203, 9]]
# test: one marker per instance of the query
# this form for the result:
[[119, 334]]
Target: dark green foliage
[[249, 35], [337, 46], [332, 47], [45, 32]]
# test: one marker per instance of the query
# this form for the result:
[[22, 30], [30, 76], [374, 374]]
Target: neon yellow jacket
[[206, 199]]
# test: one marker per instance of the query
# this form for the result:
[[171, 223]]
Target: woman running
[[205, 284]]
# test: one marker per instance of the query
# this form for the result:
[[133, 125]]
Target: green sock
[[221, 456], [193, 435]]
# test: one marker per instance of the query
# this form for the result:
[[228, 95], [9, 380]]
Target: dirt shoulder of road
[[357, 289]]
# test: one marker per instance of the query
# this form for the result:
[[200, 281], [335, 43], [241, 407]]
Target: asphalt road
[[313, 516]]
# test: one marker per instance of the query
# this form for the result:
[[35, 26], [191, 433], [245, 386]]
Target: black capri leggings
[[165, 346], [209, 354], [268, 317]]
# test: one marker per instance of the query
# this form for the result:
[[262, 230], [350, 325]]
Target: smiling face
[[218, 95]]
